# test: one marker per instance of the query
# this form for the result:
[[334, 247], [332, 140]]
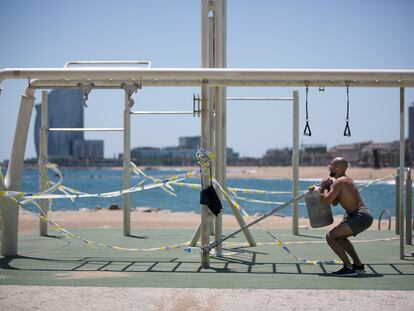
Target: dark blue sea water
[[377, 197]]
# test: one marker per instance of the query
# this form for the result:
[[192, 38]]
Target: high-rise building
[[65, 109]]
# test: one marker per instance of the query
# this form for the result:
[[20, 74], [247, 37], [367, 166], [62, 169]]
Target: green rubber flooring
[[56, 260]]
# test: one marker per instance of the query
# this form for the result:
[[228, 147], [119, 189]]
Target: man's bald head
[[338, 167]]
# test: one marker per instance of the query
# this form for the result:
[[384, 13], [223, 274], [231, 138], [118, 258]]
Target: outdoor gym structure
[[212, 78]]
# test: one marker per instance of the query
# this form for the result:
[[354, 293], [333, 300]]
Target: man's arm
[[331, 196]]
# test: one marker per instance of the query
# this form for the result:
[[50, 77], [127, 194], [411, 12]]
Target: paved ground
[[56, 261], [59, 261]]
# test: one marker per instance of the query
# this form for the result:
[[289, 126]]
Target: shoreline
[[263, 172]]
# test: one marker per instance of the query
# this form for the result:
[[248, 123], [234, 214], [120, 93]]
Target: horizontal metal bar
[[108, 62], [86, 129], [114, 76], [163, 112], [260, 98]]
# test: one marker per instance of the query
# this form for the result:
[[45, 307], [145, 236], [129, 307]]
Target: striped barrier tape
[[167, 188], [198, 186], [73, 193], [53, 225], [246, 244], [77, 194], [277, 241], [250, 191]]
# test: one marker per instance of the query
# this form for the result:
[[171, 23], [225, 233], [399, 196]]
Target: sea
[[377, 197]]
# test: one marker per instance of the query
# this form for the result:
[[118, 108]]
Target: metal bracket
[[131, 89], [86, 89], [196, 105]]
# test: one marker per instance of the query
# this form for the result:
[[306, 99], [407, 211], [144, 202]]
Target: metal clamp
[[131, 89], [86, 89], [196, 105]]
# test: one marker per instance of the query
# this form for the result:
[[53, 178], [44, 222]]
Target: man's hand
[[326, 184]]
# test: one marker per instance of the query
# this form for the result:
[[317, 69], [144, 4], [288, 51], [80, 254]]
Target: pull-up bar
[[261, 98], [108, 62], [86, 129], [162, 112]]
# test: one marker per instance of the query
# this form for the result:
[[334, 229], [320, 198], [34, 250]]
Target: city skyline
[[372, 34]]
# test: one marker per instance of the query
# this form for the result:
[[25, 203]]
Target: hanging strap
[[307, 130], [347, 130]]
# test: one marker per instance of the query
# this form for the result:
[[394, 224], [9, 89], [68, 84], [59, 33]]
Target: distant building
[[65, 109], [383, 155], [351, 152], [181, 155], [277, 157], [87, 149], [189, 142], [314, 155]]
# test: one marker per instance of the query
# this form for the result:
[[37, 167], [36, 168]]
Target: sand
[[159, 220], [285, 172], [65, 298]]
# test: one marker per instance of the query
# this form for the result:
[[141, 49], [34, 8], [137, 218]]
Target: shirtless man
[[358, 217]]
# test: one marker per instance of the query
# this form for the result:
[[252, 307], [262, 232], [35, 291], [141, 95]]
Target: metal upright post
[[44, 203], [402, 164], [9, 209], [212, 105], [397, 202], [219, 55], [295, 162], [409, 209], [126, 166], [205, 130]]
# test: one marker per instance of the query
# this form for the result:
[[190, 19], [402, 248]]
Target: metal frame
[[386, 78], [220, 77], [43, 153], [206, 78]]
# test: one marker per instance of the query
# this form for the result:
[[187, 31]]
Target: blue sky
[[370, 34]]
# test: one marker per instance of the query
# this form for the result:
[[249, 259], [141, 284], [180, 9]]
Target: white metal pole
[[295, 162], [402, 164], [12, 182], [43, 158], [212, 99], [114, 77], [217, 55], [205, 125], [126, 166]]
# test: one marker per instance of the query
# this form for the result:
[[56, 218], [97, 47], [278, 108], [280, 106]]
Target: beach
[[104, 218], [285, 172]]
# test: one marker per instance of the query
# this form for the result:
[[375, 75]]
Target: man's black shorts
[[359, 220]]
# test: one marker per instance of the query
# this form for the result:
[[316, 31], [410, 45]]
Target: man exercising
[[358, 217]]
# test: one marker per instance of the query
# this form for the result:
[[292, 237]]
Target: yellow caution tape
[[277, 241]]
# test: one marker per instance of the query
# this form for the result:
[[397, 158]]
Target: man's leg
[[342, 231], [350, 250]]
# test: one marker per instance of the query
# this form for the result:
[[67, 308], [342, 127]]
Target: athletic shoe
[[360, 269], [345, 271]]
